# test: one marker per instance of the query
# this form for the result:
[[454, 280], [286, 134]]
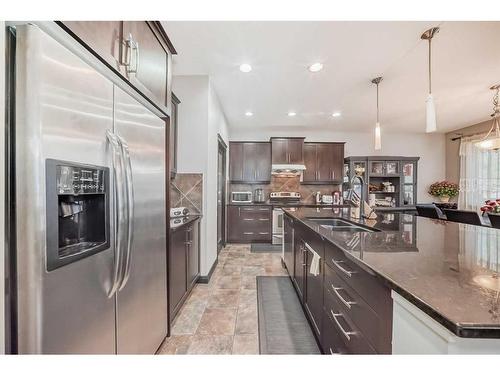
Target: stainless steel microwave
[[241, 196]]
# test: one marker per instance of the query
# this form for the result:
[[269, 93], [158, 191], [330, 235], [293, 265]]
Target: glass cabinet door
[[409, 184], [376, 168], [392, 168]]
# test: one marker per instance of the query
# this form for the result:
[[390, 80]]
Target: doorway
[[221, 194]]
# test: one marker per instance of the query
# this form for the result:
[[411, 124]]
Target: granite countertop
[[300, 204], [448, 270], [179, 222]]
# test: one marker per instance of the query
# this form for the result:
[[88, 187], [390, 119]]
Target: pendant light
[[378, 141], [491, 141], [429, 103]]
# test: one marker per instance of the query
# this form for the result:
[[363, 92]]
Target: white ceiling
[[466, 62]]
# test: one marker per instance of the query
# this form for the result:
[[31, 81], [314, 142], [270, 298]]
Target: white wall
[[429, 147], [2, 184], [200, 120]]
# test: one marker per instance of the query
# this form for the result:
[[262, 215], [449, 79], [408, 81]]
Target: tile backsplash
[[187, 191], [307, 192]]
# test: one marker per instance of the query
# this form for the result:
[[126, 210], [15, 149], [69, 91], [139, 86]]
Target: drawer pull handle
[[347, 334], [337, 264], [263, 219], [247, 219], [263, 232], [248, 233], [263, 209], [339, 296]]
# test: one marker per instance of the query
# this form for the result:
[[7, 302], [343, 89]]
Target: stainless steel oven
[[277, 226]]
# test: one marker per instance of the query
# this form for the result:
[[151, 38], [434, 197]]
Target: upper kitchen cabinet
[[146, 59], [250, 162], [287, 150], [103, 37], [324, 163], [139, 51]]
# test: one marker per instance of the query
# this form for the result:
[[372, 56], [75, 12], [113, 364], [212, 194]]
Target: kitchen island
[[396, 284]]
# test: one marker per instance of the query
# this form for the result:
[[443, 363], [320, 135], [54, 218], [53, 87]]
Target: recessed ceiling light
[[291, 114], [336, 114], [245, 68], [248, 114], [316, 67]]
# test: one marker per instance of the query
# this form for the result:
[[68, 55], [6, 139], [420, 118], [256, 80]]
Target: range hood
[[287, 169]]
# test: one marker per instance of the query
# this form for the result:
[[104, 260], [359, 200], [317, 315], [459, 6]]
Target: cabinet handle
[[245, 219], [337, 264], [254, 175], [247, 233], [333, 175], [263, 232], [331, 351], [239, 211], [319, 176], [263, 209], [339, 296], [347, 334], [248, 209], [304, 264], [263, 219]]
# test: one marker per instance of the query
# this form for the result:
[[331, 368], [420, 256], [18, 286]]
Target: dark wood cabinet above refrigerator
[[250, 162], [139, 51]]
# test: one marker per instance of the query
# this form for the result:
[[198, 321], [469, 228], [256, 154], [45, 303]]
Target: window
[[479, 175]]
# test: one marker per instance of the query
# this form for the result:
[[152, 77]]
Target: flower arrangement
[[444, 190], [491, 206]]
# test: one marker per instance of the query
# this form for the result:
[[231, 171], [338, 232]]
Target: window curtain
[[479, 174]]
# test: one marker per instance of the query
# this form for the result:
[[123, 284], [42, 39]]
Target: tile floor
[[221, 317]]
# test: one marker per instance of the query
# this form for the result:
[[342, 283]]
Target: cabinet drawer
[[377, 330], [367, 285], [250, 235], [340, 334]]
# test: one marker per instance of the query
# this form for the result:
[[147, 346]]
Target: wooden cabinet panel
[[279, 150], [177, 268], [146, 60], [314, 294], [263, 162], [309, 175], [324, 162], [193, 253], [103, 37], [295, 150], [235, 161], [300, 262], [250, 162], [337, 166]]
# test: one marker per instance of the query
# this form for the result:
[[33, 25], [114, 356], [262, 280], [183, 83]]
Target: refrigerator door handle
[[117, 161], [130, 209]]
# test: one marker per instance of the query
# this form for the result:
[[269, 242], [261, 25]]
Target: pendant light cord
[[377, 104], [430, 71]]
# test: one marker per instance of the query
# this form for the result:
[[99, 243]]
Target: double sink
[[339, 225]]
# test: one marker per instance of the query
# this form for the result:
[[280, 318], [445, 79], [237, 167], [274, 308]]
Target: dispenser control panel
[[79, 180]]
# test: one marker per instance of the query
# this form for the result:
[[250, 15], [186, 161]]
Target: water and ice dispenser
[[77, 211]]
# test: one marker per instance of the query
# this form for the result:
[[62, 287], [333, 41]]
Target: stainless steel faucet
[[358, 176]]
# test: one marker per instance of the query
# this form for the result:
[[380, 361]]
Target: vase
[[444, 198]]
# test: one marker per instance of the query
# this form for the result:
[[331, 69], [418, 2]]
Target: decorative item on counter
[[491, 207], [444, 190]]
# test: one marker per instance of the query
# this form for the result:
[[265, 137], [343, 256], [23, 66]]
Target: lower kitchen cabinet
[[288, 243], [183, 265], [247, 224], [313, 300], [349, 308]]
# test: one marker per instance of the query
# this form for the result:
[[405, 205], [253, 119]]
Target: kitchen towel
[[314, 269]]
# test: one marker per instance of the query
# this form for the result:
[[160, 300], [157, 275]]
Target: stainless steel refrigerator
[[90, 207]]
